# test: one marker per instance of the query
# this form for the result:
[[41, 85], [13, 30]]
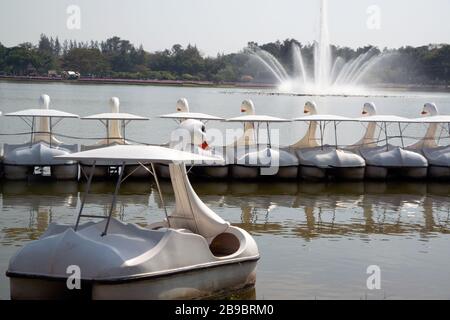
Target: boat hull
[[65, 172], [100, 172], [194, 284], [244, 172], [287, 172], [439, 173], [382, 173], [58, 172], [353, 174], [316, 173], [313, 173], [211, 172], [238, 172], [191, 285]]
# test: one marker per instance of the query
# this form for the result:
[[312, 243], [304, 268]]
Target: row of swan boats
[[246, 157], [192, 253]]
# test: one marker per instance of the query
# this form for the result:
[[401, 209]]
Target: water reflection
[[132, 196], [27, 209], [304, 210]]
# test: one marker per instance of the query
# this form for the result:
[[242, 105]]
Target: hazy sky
[[227, 25]]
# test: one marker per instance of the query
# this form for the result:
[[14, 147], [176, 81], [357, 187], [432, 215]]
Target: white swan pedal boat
[[249, 158], [190, 136], [438, 156], [245, 158], [115, 123], [192, 253], [37, 157], [319, 161], [386, 161]]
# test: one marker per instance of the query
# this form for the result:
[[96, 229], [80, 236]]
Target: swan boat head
[[190, 135], [310, 108], [429, 140], [369, 109], [248, 137], [182, 105], [429, 109], [309, 140], [114, 135], [43, 124], [248, 107]]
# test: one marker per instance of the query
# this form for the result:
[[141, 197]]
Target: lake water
[[316, 239]]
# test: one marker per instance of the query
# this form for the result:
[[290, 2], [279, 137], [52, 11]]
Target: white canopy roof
[[190, 115], [433, 119], [323, 117], [384, 118], [376, 118], [114, 116], [136, 153], [42, 113], [257, 118]]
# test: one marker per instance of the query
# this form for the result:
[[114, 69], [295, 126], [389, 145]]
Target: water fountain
[[330, 76]]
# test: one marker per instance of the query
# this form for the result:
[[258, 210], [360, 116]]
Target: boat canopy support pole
[[32, 131], [401, 134], [123, 130], [386, 135], [256, 126], [30, 123], [124, 124], [160, 194], [53, 125], [50, 133], [114, 199], [379, 132], [153, 173], [321, 133], [83, 201], [335, 134], [440, 135], [107, 132], [56, 122]]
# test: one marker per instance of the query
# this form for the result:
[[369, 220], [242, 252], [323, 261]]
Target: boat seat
[[224, 244], [38, 154]]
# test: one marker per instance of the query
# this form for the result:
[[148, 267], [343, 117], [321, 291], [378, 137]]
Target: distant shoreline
[[178, 83], [204, 84]]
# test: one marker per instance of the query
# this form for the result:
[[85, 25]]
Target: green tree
[[86, 61]]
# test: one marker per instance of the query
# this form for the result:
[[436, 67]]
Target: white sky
[[226, 25]]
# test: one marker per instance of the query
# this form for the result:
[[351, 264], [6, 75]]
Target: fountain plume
[[330, 75]]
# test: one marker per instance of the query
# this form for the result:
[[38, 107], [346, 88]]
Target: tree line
[[119, 58]]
